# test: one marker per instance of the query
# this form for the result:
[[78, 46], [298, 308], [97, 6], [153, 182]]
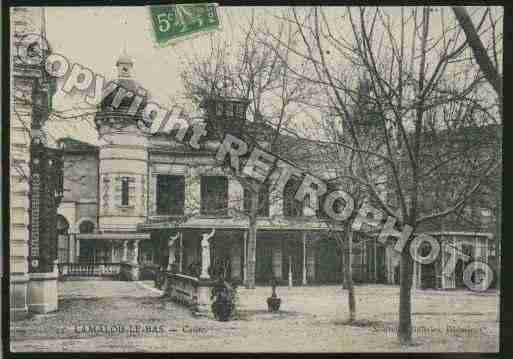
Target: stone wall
[[124, 155], [190, 291]]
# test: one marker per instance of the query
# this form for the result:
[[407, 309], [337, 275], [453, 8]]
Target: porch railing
[[89, 269]]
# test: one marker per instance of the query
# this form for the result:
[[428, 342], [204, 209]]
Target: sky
[[96, 36]]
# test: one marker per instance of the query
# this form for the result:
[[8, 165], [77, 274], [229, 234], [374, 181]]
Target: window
[[263, 201], [86, 227], [219, 108], [214, 195], [125, 182], [291, 206], [239, 110], [491, 249], [229, 109], [170, 194]]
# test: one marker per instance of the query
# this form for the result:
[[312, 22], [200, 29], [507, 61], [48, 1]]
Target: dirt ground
[[105, 316]]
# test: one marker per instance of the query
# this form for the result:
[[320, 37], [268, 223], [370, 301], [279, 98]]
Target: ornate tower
[[125, 66], [123, 155]]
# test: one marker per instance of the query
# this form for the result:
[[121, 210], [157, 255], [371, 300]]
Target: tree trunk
[[251, 248], [406, 267], [478, 49], [405, 327], [348, 276]]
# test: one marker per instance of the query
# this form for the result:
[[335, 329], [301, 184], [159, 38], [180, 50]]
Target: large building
[[34, 171], [142, 199]]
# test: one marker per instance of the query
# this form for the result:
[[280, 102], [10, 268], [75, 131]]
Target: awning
[[113, 236]]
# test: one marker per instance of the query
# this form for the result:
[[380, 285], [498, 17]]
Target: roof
[[69, 143], [124, 59]]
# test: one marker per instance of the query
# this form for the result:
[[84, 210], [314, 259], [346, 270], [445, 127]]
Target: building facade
[[148, 200], [34, 171]]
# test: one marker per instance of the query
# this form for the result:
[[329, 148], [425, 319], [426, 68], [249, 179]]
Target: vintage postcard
[[208, 178]]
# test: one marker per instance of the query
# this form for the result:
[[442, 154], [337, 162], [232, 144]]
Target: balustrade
[[88, 269]]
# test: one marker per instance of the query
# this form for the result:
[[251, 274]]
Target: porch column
[[77, 249], [310, 264], [112, 251], [180, 253], [277, 262], [244, 256], [70, 247], [375, 261], [457, 247], [235, 261], [171, 259], [136, 251], [290, 271], [303, 238], [419, 275], [484, 250], [363, 263], [415, 282], [171, 249], [442, 264], [390, 271], [125, 251]]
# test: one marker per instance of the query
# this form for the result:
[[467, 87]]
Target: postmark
[[175, 23]]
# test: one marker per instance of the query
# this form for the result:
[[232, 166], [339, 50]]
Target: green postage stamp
[[174, 23]]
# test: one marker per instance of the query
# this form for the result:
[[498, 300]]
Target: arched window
[[291, 206], [86, 227]]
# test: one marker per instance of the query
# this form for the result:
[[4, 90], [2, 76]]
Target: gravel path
[[110, 316]]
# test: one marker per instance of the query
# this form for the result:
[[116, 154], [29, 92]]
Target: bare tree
[[415, 73], [259, 76], [341, 160]]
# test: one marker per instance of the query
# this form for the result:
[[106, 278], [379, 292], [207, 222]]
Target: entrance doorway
[[381, 263], [264, 261], [329, 265]]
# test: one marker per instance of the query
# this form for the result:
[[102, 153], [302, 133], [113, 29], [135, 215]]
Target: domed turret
[[125, 66], [123, 154], [117, 109]]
